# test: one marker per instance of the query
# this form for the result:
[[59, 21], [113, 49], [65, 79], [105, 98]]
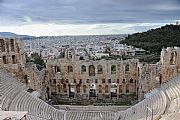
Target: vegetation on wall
[[36, 59]]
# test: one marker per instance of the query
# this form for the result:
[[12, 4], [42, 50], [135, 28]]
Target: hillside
[[7, 34], [155, 39], [10, 34]]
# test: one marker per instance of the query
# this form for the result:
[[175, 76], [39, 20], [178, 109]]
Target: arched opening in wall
[[50, 82], [63, 81], [70, 69], [120, 88], [96, 80], [81, 58], [64, 88], [84, 88], [69, 54], [117, 81], [172, 59], [160, 78], [103, 80], [67, 81], [7, 46], [58, 69], [127, 68], [78, 88], [4, 60], [72, 91], [48, 92], [127, 88], [55, 69], [14, 59], [113, 69], [74, 80], [83, 69], [100, 88], [17, 48], [113, 90], [131, 80], [124, 81], [80, 81], [106, 89], [26, 79], [92, 92], [175, 57], [2, 45], [91, 70], [59, 88], [109, 80], [99, 69], [54, 81], [62, 55], [137, 91], [12, 44], [138, 71]]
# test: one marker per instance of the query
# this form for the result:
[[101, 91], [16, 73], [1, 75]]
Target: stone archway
[[92, 92], [99, 69], [106, 89], [91, 70], [48, 92], [13, 59], [113, 90], [83, 69], [120, 88]]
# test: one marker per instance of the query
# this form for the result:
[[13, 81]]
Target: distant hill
[[7, 34], [10, 34], [27, 37], [155, 39]]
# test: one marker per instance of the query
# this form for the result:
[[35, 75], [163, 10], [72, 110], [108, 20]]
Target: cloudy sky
[[75, 17]]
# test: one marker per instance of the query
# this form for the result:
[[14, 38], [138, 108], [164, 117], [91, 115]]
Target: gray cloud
[[89, 11], [143, 28]]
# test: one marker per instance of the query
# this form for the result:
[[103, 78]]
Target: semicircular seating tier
[[15, 98], [162, 103]]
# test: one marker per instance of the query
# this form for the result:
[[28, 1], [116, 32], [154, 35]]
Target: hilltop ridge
[[155, 39]]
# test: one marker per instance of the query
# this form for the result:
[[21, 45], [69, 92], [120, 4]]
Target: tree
[[36, 59]]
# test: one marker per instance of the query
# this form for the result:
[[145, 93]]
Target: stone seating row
[[16, 99]]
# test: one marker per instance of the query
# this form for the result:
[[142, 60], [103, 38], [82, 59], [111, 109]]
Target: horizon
[[85, 17], [85, 34]]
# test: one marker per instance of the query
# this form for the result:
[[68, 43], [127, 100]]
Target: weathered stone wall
[[153, 75], [170, 62], [129, 76], [78, 76], [12, 57], [74, 76]]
